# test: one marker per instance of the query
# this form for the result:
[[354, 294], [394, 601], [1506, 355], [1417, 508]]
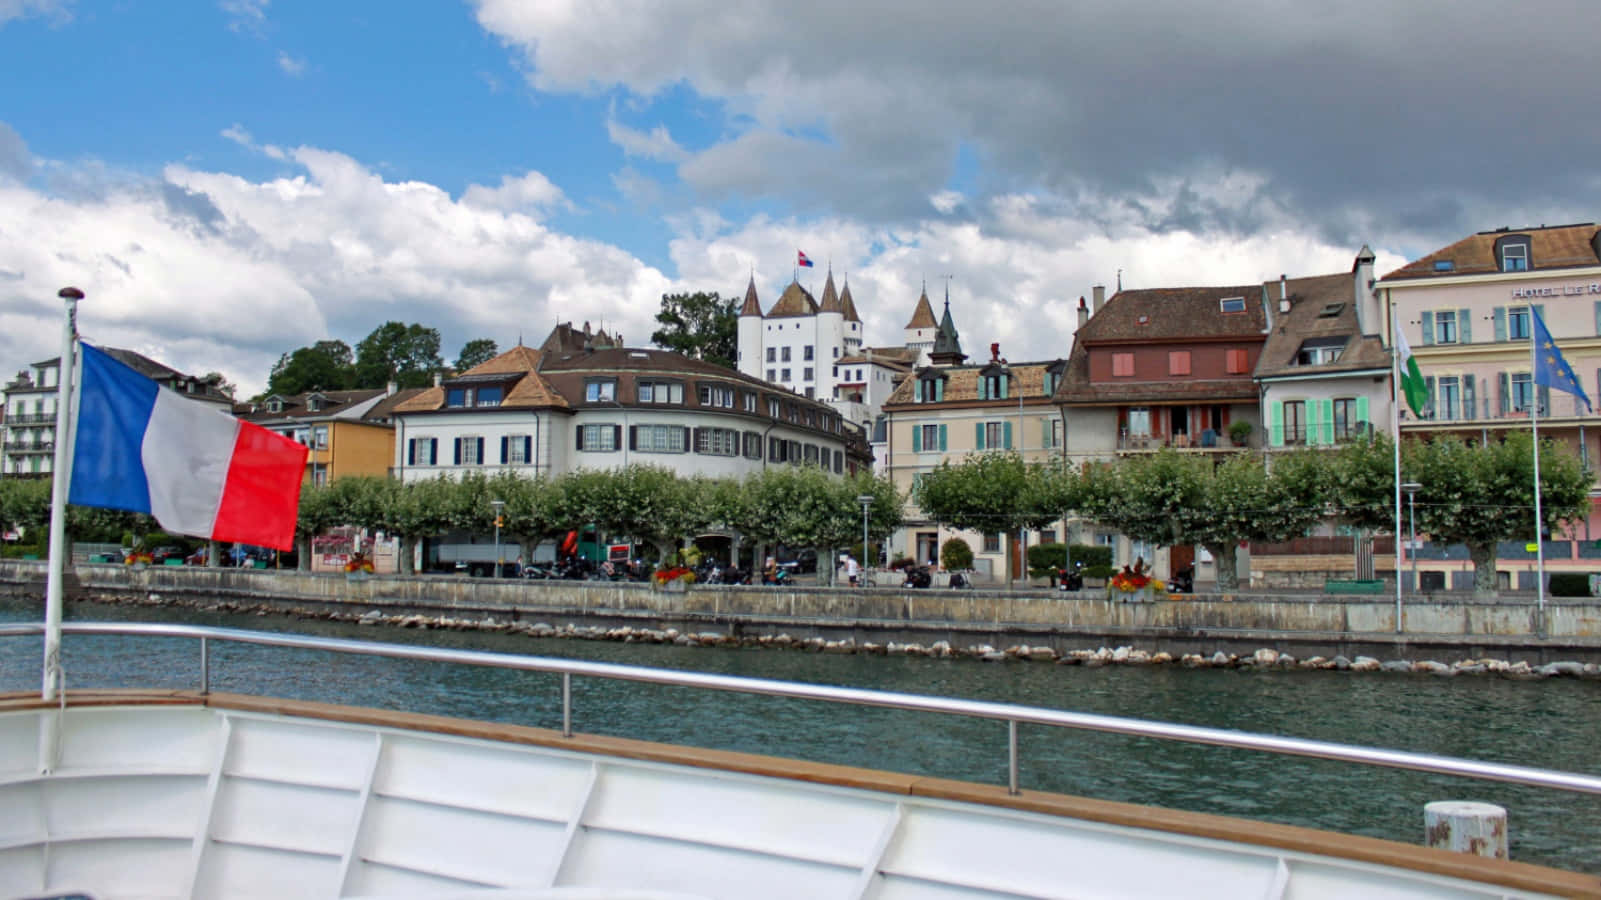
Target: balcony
[[20, 448], [1150, 443], [48, 418]]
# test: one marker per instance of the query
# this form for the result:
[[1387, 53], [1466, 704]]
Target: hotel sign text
[[1566, 290]]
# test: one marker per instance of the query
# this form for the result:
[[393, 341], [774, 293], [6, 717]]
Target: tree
[[1480, 495], [224, 386], [406, 354], [320, 510], [700, 325], [988, 492], [324, 366], [475, 352]]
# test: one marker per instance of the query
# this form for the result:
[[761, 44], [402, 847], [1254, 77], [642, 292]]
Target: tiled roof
[[830, 296], [564, 337], [961, 385], [1159, 314], [1556, 247], [882, 357], [752, 306], [520, 365], [297, 406], [847, 305], [384, 409], [923, 313], [795, 301], [1309, 299]]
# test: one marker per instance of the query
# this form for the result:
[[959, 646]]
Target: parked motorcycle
[[960, 580], [1070, 579], [918, 577], [1182, 581]]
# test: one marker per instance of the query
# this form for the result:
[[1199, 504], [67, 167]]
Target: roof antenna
[[1120, 281]]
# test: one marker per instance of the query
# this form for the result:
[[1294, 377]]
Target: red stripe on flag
[[261, 498]]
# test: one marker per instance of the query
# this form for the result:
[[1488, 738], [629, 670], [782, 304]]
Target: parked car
[[160, 555]]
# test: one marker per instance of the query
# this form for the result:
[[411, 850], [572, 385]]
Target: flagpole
[[1395, 431], [49, 725], [1534, 423]]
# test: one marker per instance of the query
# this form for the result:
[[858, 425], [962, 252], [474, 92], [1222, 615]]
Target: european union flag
[[1550, 369]]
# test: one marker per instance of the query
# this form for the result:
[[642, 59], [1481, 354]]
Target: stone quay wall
[[1304, 624]]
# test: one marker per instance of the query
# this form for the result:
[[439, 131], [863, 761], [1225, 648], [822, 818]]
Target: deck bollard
[[1464, 826]]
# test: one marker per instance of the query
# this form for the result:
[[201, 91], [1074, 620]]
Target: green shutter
[[1464, 326], [1006, 435], [942, 439], [978, 437], [1314, 415], [1045, 432], [1504, 395], [1500, 323], [983, 388], [1328, 420], [917, 439], [1361, 412], [1006, 384], [1428, 326], [1275, 423], [939, 389]]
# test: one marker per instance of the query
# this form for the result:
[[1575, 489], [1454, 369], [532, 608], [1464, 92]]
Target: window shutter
[[1598, 317], [1428, 326], [1470, 401], [1428, 388], [1045, 432], [1464, 326], [1500, 322], [1006, 434], [579, 434], [528, 449], [1313, 423], [983, 388], [687, 445], [1539, 309], [457, 444], [939, 389], [1006, 385], [480, 451], [694, 446], [411, 452], [1361, 412], [917, 439], [942, 437], [1504, 393], [633, 437], [616, 436], [505, 449], [433, 451], [1328, 420], [1275, 423], [978, 436]]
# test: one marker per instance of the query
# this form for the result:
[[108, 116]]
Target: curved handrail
[[1011, 713]]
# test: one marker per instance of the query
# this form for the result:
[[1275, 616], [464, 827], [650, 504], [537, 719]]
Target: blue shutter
[[578, 432], [942, 439], [939, 389], [978, 438], [1006, 385], [917, 439], [1006, 434], [1504, 393], [1500, 322], [505, 449], [1428, 326], [411, 452], [528, 449], [433, 451], [480, 451], [457, 444], [1464, 326], [983, 388]]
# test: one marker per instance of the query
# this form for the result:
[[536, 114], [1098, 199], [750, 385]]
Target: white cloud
[[946, 201], [60, 10], [239, 135], [655, 144], [292, 66], [531, 193], [245, 15]]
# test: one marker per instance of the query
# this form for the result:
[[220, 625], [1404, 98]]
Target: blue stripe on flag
[[114, 404]]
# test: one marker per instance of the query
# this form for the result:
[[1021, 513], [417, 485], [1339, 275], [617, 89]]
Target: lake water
[[1552, 724]]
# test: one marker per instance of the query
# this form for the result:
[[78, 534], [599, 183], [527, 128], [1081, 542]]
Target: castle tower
[[750, 333], [853, 322], [830, 337], [920, 330], [947, 345]]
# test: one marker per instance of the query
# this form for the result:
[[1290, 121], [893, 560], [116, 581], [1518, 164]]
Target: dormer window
[[1053, 375], [457, 397], [1512, 252], [929, 389], [993, 386], [314, 403], [598, 390], [275, 405], [1231, 305], [1319, 351], [1331, 310]]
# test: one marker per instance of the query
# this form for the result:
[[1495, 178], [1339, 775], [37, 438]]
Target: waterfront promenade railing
[[1010, 714]]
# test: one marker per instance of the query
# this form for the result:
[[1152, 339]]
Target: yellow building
[[347, 432]]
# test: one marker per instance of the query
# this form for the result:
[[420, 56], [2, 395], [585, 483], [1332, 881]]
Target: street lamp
[[1411, 488], [500, 564], [865, 500]]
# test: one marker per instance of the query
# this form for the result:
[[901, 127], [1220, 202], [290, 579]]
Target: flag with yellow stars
[[1550, 368]]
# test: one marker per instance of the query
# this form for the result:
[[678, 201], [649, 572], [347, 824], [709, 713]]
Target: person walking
[[853, 570]]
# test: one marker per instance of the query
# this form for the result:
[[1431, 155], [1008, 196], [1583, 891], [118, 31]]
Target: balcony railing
[[48, 418], [1136, 443], [20, 447]]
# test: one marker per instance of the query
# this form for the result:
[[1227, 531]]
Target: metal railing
[[1009, 713]]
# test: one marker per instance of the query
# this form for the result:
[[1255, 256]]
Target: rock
[[1122, 654], [1313, 662], [1365, 664], [1161, 657], [1430, 667], [1471, 669], [941, 648], [1286, 661], [1042, 654], [1220, 659], [1068, 660], [1265, 657], [1395, 665], [1568, 669], [1192, 660], [1094, 662], [993, 656], [1342, 664]]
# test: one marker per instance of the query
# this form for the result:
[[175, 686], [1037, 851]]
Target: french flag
[[801, 259], [198, 470]]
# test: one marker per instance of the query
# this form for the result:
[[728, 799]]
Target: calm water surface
[[1554, 724]]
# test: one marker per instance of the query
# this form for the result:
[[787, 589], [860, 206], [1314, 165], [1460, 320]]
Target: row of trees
[[1471, 495], [405, 354]]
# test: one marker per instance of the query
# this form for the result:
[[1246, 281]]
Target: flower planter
[[1144, 594], [357, 575], [676, 586]]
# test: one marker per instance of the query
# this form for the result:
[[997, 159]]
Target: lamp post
[[500, 564], [865, 500], [1411, 488]]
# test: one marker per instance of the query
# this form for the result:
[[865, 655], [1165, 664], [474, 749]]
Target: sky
[[228, 181]]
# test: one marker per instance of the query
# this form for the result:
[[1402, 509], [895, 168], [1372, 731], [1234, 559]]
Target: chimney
[[1363, 295], [1267, 309], [1284, 294], [995, 352], [1099, 293], [437, 379], [1083, 313], [390, 388]]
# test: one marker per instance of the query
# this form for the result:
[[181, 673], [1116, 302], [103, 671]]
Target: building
[[30, 402], [946, 411], [1465, 310], [346, 432], [562, 408]]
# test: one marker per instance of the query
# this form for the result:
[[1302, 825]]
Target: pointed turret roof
[[794, 302], [752, 307], [947, 345], [847, 305], [830, 296], [923, 315]]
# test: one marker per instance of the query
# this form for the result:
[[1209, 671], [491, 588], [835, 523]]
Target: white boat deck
[[167, 794]]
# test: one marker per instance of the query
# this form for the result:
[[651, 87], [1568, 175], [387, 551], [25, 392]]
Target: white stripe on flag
[[187, 450]]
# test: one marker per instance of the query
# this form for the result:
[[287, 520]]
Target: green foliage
[[700, 325], [1363, 483], [1045, 559], [1570, 584], [990, 492], [408, 354], [475, 352], [324, 366], [1099, 571], [1239, 430], [956, 554], [1090, 555]]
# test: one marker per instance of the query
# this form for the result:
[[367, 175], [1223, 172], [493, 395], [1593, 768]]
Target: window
[[1294, 422], [598, 438], [659, 438], [1517, 323], [489, 396], [928, 440], [836, 352], [806, 374], [319, 437], [717, 441], [810, 456], [1445, 328], [661, 392], [772, 375], [992, 387], [783, 375], [515, 449], [1178, 362], [319, 475], [1514, 257], [776, 450], [1345, 418], [784, 354], [1048, 536], [1238, 362], [930, 390], [1330, 310], [716, 395], [469, 451], [1231, 305], [806, 352], [1139, 421], [1318, 351], [753, 445], [1122, 365], [836, 371], [1050, 433], [750, 401], [772, 407], [1444, 265], [422, 452], [992, 542], [772, 354], [995, 436], [455, 397], [600, 390], [1522, 392], [1450, 404]]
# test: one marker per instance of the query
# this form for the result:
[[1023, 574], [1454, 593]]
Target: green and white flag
[[1412, 384]]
